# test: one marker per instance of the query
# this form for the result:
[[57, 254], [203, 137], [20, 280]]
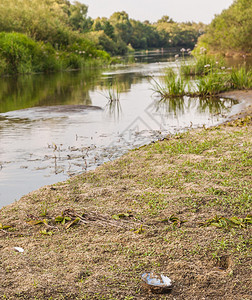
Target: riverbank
[[165, 207]]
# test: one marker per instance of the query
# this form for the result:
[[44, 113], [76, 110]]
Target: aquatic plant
[[202, 64], [113, 93], [241, 78], [172, 85], [212, 83]]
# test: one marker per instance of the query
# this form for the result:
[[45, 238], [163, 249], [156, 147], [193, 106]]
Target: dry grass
[[193, 176]]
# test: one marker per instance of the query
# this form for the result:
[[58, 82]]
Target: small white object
[[166, 280], [19, 249], [156, 280]]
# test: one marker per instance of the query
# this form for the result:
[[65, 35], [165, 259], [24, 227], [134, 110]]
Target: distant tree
[[122, 26], [165, 19]]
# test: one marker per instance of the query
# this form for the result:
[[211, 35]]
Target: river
[[58, 125]]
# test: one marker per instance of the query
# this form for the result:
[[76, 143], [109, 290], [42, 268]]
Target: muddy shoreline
[[245, 106]]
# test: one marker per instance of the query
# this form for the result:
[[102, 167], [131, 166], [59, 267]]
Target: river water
[[59, 125]]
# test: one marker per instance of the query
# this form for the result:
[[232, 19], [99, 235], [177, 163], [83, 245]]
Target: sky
[[152, 10]]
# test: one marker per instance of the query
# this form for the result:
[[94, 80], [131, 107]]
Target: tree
[[78, 17], [231, 30], [122, 26]]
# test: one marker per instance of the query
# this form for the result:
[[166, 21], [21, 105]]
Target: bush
[[21, 54]]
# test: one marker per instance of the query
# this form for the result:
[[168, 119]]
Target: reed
[[202, 65], [172, 85], [213, 83], [241, 78]]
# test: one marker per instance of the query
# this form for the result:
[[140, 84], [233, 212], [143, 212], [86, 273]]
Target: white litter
[[156, 280], [19, 249], [166, 280]]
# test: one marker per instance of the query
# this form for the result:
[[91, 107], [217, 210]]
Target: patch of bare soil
[[180, 207]]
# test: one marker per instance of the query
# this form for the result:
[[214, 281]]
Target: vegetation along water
[[178, 204]]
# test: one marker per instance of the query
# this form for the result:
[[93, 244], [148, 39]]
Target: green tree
[[78, 17], [122, 26], [231, 31]]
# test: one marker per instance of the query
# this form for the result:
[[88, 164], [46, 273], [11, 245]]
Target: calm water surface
[[55, 126]]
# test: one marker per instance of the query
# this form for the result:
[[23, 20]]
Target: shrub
[[21, 54]]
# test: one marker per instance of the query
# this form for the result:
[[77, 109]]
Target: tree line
[[65, 37]]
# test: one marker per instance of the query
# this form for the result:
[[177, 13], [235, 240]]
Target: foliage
[[143, 35], [213, 83], [21, 54], [231, 31], [60, 25], [171, 86], [174, 34], [46, 36], [202, 64], [241, 78], [214, 78], [222, 222]]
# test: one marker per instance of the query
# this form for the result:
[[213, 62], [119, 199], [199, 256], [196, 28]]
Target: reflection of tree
[[51, 89], [176, 106], [122, 81], [171, 105], [214, 105]]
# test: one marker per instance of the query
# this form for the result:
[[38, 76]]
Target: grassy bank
[[180, 207]]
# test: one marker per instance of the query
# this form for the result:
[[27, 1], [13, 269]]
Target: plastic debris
[[156, 283], [19, 249]]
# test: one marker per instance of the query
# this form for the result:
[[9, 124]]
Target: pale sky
[[152, 10]]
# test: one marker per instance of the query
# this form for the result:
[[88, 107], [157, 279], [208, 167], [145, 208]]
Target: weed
[[222, 222]]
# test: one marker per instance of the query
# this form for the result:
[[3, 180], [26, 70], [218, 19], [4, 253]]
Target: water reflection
[[180, 105]]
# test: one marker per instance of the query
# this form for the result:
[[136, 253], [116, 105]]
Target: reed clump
[[208, 80]]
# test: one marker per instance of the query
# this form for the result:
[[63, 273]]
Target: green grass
[[212, 78], [172, 85], [241, 78], [202, 64], [212, 83]]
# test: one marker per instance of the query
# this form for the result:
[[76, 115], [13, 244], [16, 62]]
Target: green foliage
[[172, 85], [213, 83], [62, 219], [44, 37], [241, 78], [215, 78], [202, 64], [61, 24], [175, 221], [231, 31], [174, 34], [4, 227], [21, 54], [44, 20], [120, 216]]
